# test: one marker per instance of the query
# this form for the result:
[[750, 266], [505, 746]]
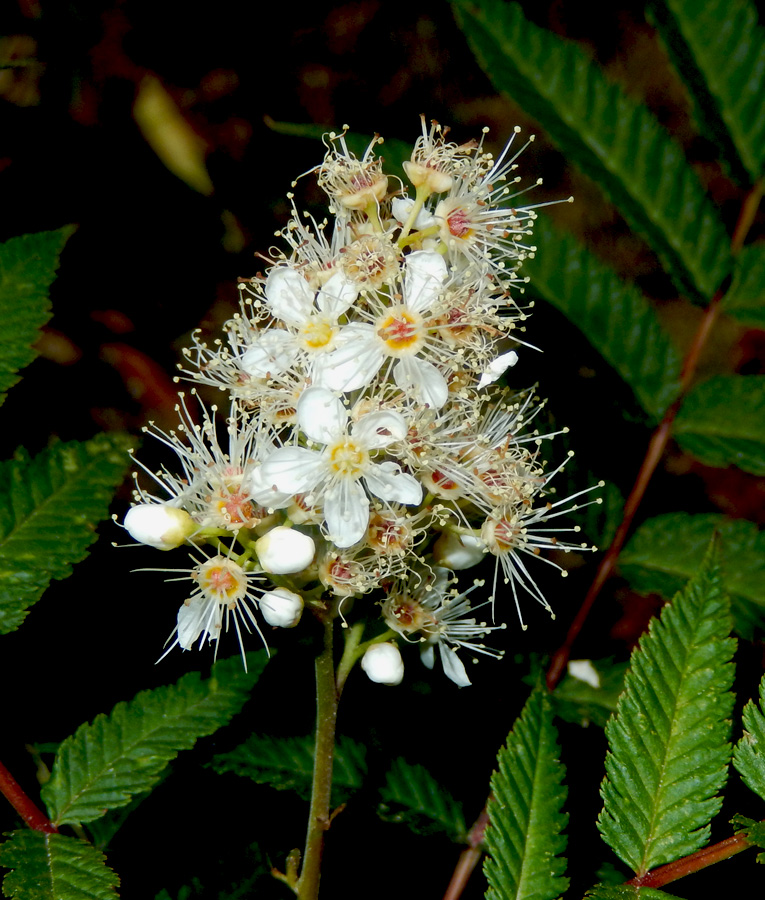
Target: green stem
[[326, 718]]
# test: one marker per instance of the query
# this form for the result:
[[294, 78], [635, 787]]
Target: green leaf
[[745, 300], [614, 316], [720, 52], [49, 507], [749, 755], [55, 867], [612, 138], [411, 795], [580, 702], [665, 552], [753, 831], [102, 766], [722, 422], [627, 892], [27, 268], [523, 839], [669, 739], [287, 764]]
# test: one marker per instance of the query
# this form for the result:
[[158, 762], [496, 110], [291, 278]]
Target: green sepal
[[55, 867], [49, 507], [669, 740], [614, 139], [28, 267], [524, 839], [103, 765]]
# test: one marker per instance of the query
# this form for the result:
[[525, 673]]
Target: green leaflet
[[615, 317], [749, 755], [103, 765], [49, 506], [753, 831], [669, 738], [413, 796], [523, 840], [55, 867], [612, 138], [745, 300], [27, 268], [719, 50], [627, 892], [580, 702], [665, 552], [287, 764], [722, 422]]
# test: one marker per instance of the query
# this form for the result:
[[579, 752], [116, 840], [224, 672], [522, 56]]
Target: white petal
[[383, 664], [584, 670], [281, 608], [346, 509], [272, 353], [379, 429], [289, 296], [284, 551], [195, 616], [321, 415], [421, 378], [426, 272], [386, 481], [402, 206], [497, 367], [454, 668], [265, 494], [458, 551], [427, 655], [337, 296], [355, 362], [292, 469]]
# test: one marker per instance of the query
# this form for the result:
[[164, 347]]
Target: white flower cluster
[[368, 447]]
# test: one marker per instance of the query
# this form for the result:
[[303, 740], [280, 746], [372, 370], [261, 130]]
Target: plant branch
[[697, 861], [28, 811]]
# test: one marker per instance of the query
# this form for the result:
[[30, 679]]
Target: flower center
[[401, 331], [459, 224], [348, 459], [222, 580], [317, 334]]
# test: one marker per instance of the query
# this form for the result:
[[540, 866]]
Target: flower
[[333, 476]]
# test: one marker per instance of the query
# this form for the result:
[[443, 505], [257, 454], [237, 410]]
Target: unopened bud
[[159, 525], [383, 664], [458, 551], [281, 608], [284, 551]]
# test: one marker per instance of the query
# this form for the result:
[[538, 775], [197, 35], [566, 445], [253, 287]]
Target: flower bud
[[458, 551], [383, 664], [284, 551], [159, 525], [281, 608]]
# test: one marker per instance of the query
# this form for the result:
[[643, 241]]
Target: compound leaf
[[614, 316], [413, 796], [524, 840], [28, 266], [55, 867], [669, 738], [49, 507], [612, 138], [103, 765], [749, 755]]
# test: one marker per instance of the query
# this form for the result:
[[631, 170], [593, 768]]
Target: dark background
[[153, 257]]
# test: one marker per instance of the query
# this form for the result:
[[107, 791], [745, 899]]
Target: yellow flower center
[[317, 334], [347, 459], [223, 580], [401, 331]]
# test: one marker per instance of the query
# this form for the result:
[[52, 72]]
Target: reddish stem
[[15, 795], [697, 861]]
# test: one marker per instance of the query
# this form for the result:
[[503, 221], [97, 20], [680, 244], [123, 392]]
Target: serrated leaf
[[523, 839], [613, 315], [627, 892], [49, 507], [665, 552], [669, 738], [612, 138], [55, 867], [103, 765], [722, 422], [745, 300], [28, 266], [753, 831], [287, 764], [581, 703], [749, 755], [720, 52], [411, 795]]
